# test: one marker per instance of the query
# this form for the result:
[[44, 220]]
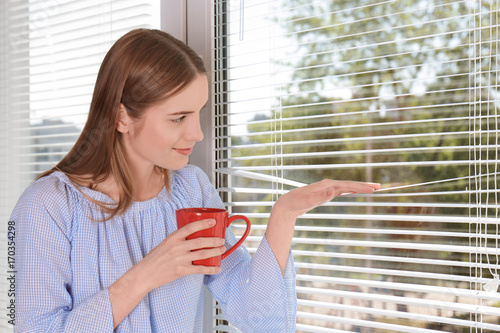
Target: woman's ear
[[123, 120]]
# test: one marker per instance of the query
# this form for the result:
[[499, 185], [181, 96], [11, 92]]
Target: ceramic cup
[[222, 221]]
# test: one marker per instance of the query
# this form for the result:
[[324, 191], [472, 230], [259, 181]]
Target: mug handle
[[242, 239]]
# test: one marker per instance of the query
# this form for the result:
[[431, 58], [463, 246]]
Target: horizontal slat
[[405, 287], [358, 165], [317, 329], [337, 203], [52, 156], [46, 126], [400, 245], [395, 314], [60, 23], [424, 303], [264, 31], [426, 124], [368, 99], [57, 112], [398, 314], [325, 117], [362, 113], [464, 30], [42, 137], [357, 65], [257, 7], [374, 152], [388, 272], [65, 53], [367, 231], [50, 145], [389, 259], [368, 138], [364, 323], [279, 123], [379, 312], [285, 50], [242, 94], [364, 152], [380, 195]]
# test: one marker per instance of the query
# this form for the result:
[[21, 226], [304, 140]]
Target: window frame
[[191, 23]]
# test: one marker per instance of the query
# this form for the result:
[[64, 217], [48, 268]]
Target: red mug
[[222, 221]]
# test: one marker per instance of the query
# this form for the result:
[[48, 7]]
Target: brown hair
[[142, 68]]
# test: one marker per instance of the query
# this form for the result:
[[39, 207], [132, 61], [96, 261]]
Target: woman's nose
[[194, 132]]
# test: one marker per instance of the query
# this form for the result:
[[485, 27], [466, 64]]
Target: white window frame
[[191, 21]]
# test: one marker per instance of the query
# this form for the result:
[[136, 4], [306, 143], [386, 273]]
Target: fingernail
[[222, 241], [211, 222]]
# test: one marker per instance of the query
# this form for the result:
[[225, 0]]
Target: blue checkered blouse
[[65, 263]]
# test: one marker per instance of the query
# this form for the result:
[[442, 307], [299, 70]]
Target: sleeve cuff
[[97, 307], [264, 257], [255, 296]]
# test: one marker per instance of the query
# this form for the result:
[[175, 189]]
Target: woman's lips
[[184, 151]]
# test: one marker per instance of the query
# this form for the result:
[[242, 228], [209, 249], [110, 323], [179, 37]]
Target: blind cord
[[491, 286]]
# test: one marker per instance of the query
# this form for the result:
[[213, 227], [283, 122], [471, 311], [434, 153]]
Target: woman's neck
[[145, 186]]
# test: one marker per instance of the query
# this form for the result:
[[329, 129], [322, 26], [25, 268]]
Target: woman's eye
[[178, 120]]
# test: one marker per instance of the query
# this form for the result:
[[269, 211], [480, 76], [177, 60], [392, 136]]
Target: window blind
[[399, 92], [50, 53]]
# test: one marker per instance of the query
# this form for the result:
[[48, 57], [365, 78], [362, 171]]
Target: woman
[[97, 245]]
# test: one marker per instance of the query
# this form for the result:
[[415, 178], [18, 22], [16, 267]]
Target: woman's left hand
[[291, 205], [301, 200]]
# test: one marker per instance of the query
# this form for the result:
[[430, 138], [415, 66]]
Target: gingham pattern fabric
[[66, 261]]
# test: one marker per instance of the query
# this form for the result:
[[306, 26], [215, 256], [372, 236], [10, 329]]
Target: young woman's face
[[165, 136]]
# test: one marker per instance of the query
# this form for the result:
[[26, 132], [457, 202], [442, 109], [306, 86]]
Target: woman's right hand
[[171, 259]]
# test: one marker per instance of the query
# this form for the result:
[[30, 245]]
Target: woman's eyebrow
[[178, 113]]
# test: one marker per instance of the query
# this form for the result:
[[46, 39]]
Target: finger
[[348, 187], [193, 227], [374, 186], [206, 253], [204, 242]]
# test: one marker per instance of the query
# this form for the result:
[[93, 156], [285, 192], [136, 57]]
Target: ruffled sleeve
[[253, 294], [44, 228]]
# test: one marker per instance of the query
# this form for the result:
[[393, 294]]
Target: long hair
[[143, 68]]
